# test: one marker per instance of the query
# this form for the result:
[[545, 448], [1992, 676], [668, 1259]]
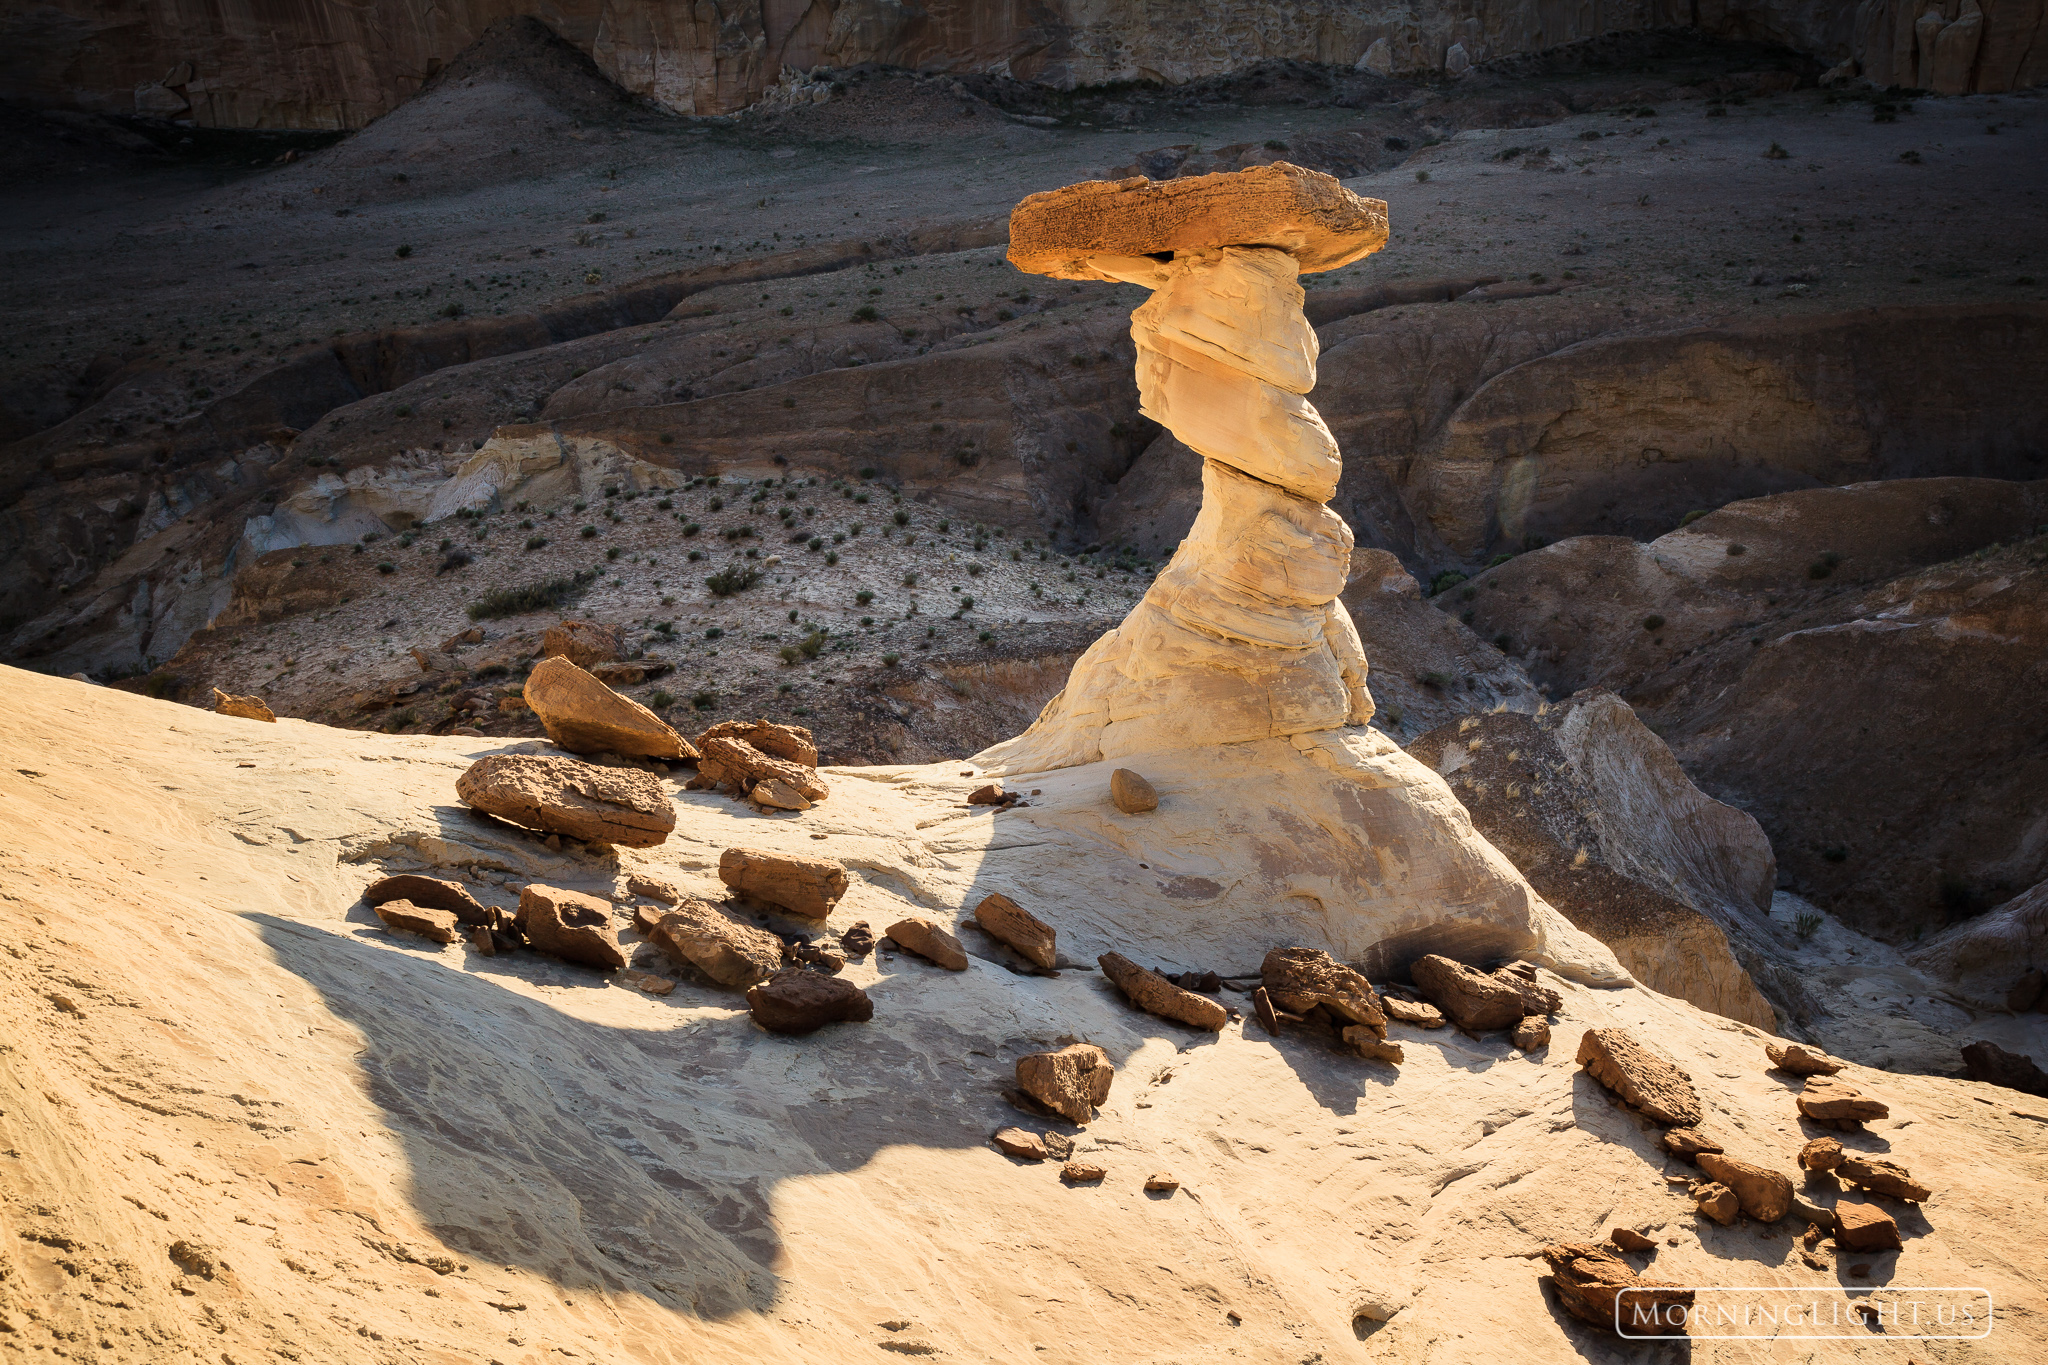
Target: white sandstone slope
[[244, 1119]]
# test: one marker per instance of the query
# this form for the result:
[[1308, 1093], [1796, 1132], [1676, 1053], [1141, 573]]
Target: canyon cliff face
[[297, 64]]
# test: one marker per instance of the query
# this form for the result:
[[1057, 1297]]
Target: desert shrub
[[1808, 923], [863, 597], [714, 632], [663, 700], [536, 542], [704, 701], [552, 592], [386, 566], [731, 579], [1449, 578], [454, 559], [1653, 622], [1690, 517]]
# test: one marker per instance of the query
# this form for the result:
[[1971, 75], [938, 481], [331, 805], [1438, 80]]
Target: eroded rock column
[[1241, 637]]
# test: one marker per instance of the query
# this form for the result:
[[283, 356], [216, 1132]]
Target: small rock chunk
[[1082, 1172], [1532, 1033], [1371, 1045], [426, 921], [795, 1001], [1865, 1227], [1687, 1143], [1628, 1239], [1072, 1082], [1590, 1280], [1161, 1181], [803, 886], [569, 925], [1018, 927], [858, 941], [1021, 1143], [1132, 794], [567, 797], [1764, 1194], [1299, 979], [1154, 994], [430, 891], [777, 794], [1476, 1001], [583, 643], [1834, 1103], [1418, 1013], [1718, 1202], [1647, 1083], [1801, 1060], [699, 934], [930, 942]]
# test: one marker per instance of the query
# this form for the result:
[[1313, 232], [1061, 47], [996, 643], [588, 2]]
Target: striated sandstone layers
[[1242, 636], [290, 63]]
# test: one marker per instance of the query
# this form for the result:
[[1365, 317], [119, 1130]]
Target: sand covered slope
[[244, 1121]]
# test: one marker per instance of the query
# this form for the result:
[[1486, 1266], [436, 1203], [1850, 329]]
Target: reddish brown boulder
[[1154, 994], [1020, 1143], [735, 763], [791, 743], [1872, 1173], [1718, 1202], [583, 643], [1532, 1033], [1865, 1227], [569, 925], [1132, 794], [564, 796], [777, 794], [430, 891], [427, 922], [1299, 979], [1687, 1143], [803, 886], [1371, 1045], [699, 934], [1821, 1154], [858, 940], [1763, 1194], [1162, 1182], [1628, 1239], [1419, 1013], [796, 1001], [1082, 1172], [584, 716], [1834, 1103], [1072, 1082], [930, 942], [1801, 1060], [1476, 1001], [1645, 1082], [1597, 1286], [1018, 927], [654, 888]]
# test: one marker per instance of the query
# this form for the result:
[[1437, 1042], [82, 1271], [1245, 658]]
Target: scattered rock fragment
[[582, 643], [1301, 979], [741, 768], [1371, 1045], [584, 716], [1021, 1143], [1834, 1103], [429, 891], [1161, 1182], [1018, 927], [1132, 794], [1645, 1082], [1378, 1305], [654, 888], [1687, 1143], [992, 795], [1154, 994], [1532, 1033], [1854, 1168], [569, 925], [699, 934], [776, 794], [565, 796], [481, 939], [858, 941], [1628, 1239], [1418, 1013], [1082, 1172], [1072, 1082], [1764, 1194], [630, 672], [795, 1001], [930, 942], [1476, 1001], [1262, 1008], [248, 708], [424, 920], [1718, 1202], [820, 956], [653, 984], [803, 886], [1865, 1227], [790, 743], [1801, 1060], [1590, 1280], [1993, 1065]]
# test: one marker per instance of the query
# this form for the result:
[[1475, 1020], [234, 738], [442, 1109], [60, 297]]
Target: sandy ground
[[265, 1125]]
